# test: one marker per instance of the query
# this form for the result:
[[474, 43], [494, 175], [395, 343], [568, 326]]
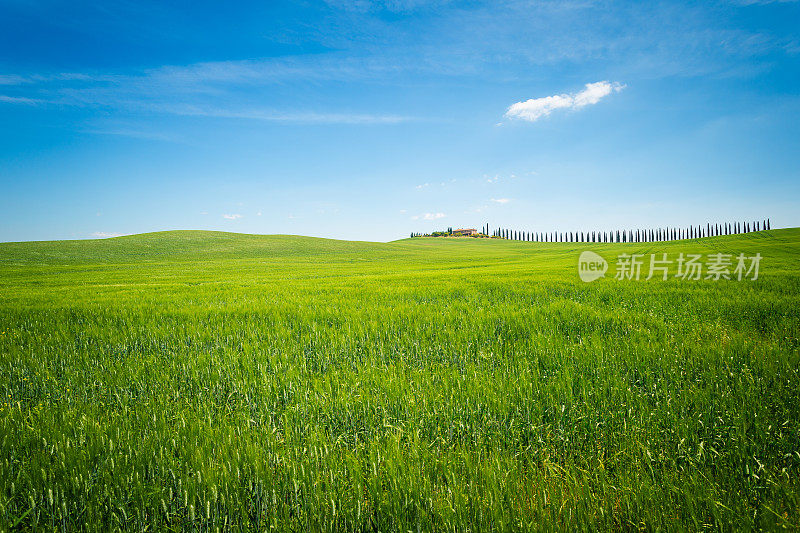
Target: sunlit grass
[[192, 380]]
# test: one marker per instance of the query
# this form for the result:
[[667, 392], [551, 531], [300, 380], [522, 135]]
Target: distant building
[[465, 232]]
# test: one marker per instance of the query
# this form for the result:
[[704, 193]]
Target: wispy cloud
[[762, 2], [234, 216], [501, 200], [302, 117], [207, 89], [429, 216], [18, 100], [536, 108], [136, 134], [397, 6], [11, 79]]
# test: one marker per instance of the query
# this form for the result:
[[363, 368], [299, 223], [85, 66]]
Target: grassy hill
[[192, 380]]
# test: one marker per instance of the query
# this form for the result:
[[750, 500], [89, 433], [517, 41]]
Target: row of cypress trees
[[631, 235]]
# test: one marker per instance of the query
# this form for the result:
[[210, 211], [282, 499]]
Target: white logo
[[591, 266]]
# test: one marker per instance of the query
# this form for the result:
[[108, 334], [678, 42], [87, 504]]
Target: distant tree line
[[445, 233], [631, 235]]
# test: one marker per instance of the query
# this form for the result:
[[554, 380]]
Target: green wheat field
[[202, 381]]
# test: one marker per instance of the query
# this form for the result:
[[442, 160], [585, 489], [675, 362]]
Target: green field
[[197, 380]]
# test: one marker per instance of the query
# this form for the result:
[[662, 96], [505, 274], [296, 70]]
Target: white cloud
[[106, 234], [203, 212], [501, 200], [423, 185], [258, 214], [536, 108], [234, 216], [429, 216]]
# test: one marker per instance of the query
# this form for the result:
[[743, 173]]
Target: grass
[[195, 380]]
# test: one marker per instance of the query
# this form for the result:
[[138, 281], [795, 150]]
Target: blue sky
[[362, 119]]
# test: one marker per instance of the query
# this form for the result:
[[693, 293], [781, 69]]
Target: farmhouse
[[465, 232]]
